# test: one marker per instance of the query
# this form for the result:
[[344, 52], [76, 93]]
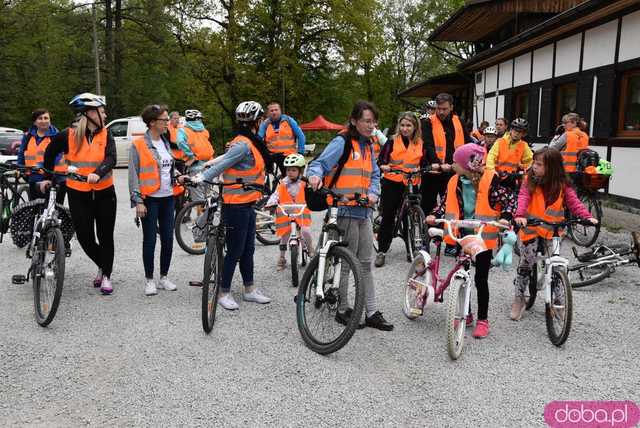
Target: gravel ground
[[130, 360]]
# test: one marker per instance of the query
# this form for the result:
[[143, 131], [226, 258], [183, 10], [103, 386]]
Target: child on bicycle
[[290, 190], [545, 194], [404, 153], [511, 153], [477, 193]]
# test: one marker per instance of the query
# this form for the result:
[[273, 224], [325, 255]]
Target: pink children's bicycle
[[424, 285]]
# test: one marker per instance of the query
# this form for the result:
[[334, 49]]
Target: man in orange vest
[[243, 161], [442, 133], [571, 142], [281, 134]]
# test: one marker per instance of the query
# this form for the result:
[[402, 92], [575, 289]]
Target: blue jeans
[[159, 213], [240, 222]]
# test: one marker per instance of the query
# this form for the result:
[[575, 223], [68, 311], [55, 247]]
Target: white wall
[[500, 108], [624, 180], [491, 74], [522, 72], [543, 63], [506, 75], [600, 45], [630, 37], [568, 55], [480, 86], [490, 110], [479, 109]]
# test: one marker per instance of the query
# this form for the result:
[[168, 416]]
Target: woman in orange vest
[[477, 193], [244, 160], [290, 190], [545, 194], [571, 142], [31, 153], [403, 152], [92, 151], [151, 185], [360, 174]]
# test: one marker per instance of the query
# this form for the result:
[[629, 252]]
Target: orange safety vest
[[173, 138], [509, 160], [404, 158], [199, 144], [477, 135], [576, 140], [538, 209], [483, 209], [355, 176], [254, 175], [148, 174], [34, 155], [280, 141], [440, 137], [87, 159], [282, 221]]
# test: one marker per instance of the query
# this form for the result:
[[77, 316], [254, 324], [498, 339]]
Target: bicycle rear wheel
[[530, 299], [559, 311], [415, 230], [585, 236], [48, 276], [377, 223], [294, 265], [211, 282], [186, 228], [584, 274], [320, 326], [265, 225], [456, 323]]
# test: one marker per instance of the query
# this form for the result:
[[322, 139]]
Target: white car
[[124, 131], [10, 139]]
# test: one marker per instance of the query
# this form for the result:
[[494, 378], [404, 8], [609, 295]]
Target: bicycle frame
[[551, 262], [293, 211]]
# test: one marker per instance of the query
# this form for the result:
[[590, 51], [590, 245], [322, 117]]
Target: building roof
[[478, 19], [564, 23], [435, 85]]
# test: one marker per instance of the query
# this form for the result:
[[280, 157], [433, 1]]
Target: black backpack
[[587, 158], [317, 202]]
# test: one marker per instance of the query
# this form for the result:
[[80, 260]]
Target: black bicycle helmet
[[520, 124]]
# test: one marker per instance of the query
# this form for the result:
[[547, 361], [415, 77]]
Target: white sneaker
[[150, 288], [228, 302], [165, 284], [256, 296]]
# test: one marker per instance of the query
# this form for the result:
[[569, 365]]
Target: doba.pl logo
[[586, 414]]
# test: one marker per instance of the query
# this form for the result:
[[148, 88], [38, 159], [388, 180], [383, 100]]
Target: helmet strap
[[97, 125]]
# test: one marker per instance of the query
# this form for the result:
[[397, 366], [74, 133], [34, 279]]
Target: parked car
[[124, 131], [10, 139]]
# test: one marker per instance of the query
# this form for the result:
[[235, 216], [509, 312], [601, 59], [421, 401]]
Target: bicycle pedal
[[18, 279]]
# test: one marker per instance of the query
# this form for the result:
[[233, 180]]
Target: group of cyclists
[[491, 174]]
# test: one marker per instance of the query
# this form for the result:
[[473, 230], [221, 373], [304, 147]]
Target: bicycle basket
[[24, 216]]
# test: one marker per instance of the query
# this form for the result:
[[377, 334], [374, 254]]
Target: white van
[[124, 131]]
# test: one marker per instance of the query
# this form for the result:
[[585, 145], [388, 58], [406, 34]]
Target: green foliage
[[313, 56]]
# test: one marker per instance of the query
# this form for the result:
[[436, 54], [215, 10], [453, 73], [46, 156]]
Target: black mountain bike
[[13, 192]]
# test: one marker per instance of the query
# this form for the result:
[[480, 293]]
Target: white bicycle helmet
[[87, 101], [248, 111], [295, 159], [192, 115], [490, 130]]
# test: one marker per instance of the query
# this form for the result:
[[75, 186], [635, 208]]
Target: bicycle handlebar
[[411, 173], [469, 224], [564, 223], [246, 186], [296, 209]]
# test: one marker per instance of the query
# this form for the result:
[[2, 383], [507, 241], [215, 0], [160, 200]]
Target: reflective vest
[[538, 209], [355, 176], [440, 137], [254, 175], [173, 138], [509, 159], [87, 159], [199, 144], [280, 141], [404, 158], [483, 209], [34, 155], [282, 220], [148, 174], [576, 141], [477, 135]]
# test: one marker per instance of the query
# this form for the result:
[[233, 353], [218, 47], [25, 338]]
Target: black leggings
[[391, 201], [432, 186], [97, 210], [483, 264]]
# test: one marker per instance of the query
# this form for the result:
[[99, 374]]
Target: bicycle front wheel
[[48, 276], [582, 235], [559, 311], [415, 233], [584, 274], [211, 282], [324, 329], [456, 322], [294, 265], [187, 229], [418, 278]]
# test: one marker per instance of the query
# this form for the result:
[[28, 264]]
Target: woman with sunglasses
[[91, 149], [151, 184]]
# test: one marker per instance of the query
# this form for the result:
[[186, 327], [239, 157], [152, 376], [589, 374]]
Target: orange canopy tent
[[321, 124]]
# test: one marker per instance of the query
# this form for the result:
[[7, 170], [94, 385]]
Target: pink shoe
[[469, 320], [106, 287], [97, 282], [482, 329]]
